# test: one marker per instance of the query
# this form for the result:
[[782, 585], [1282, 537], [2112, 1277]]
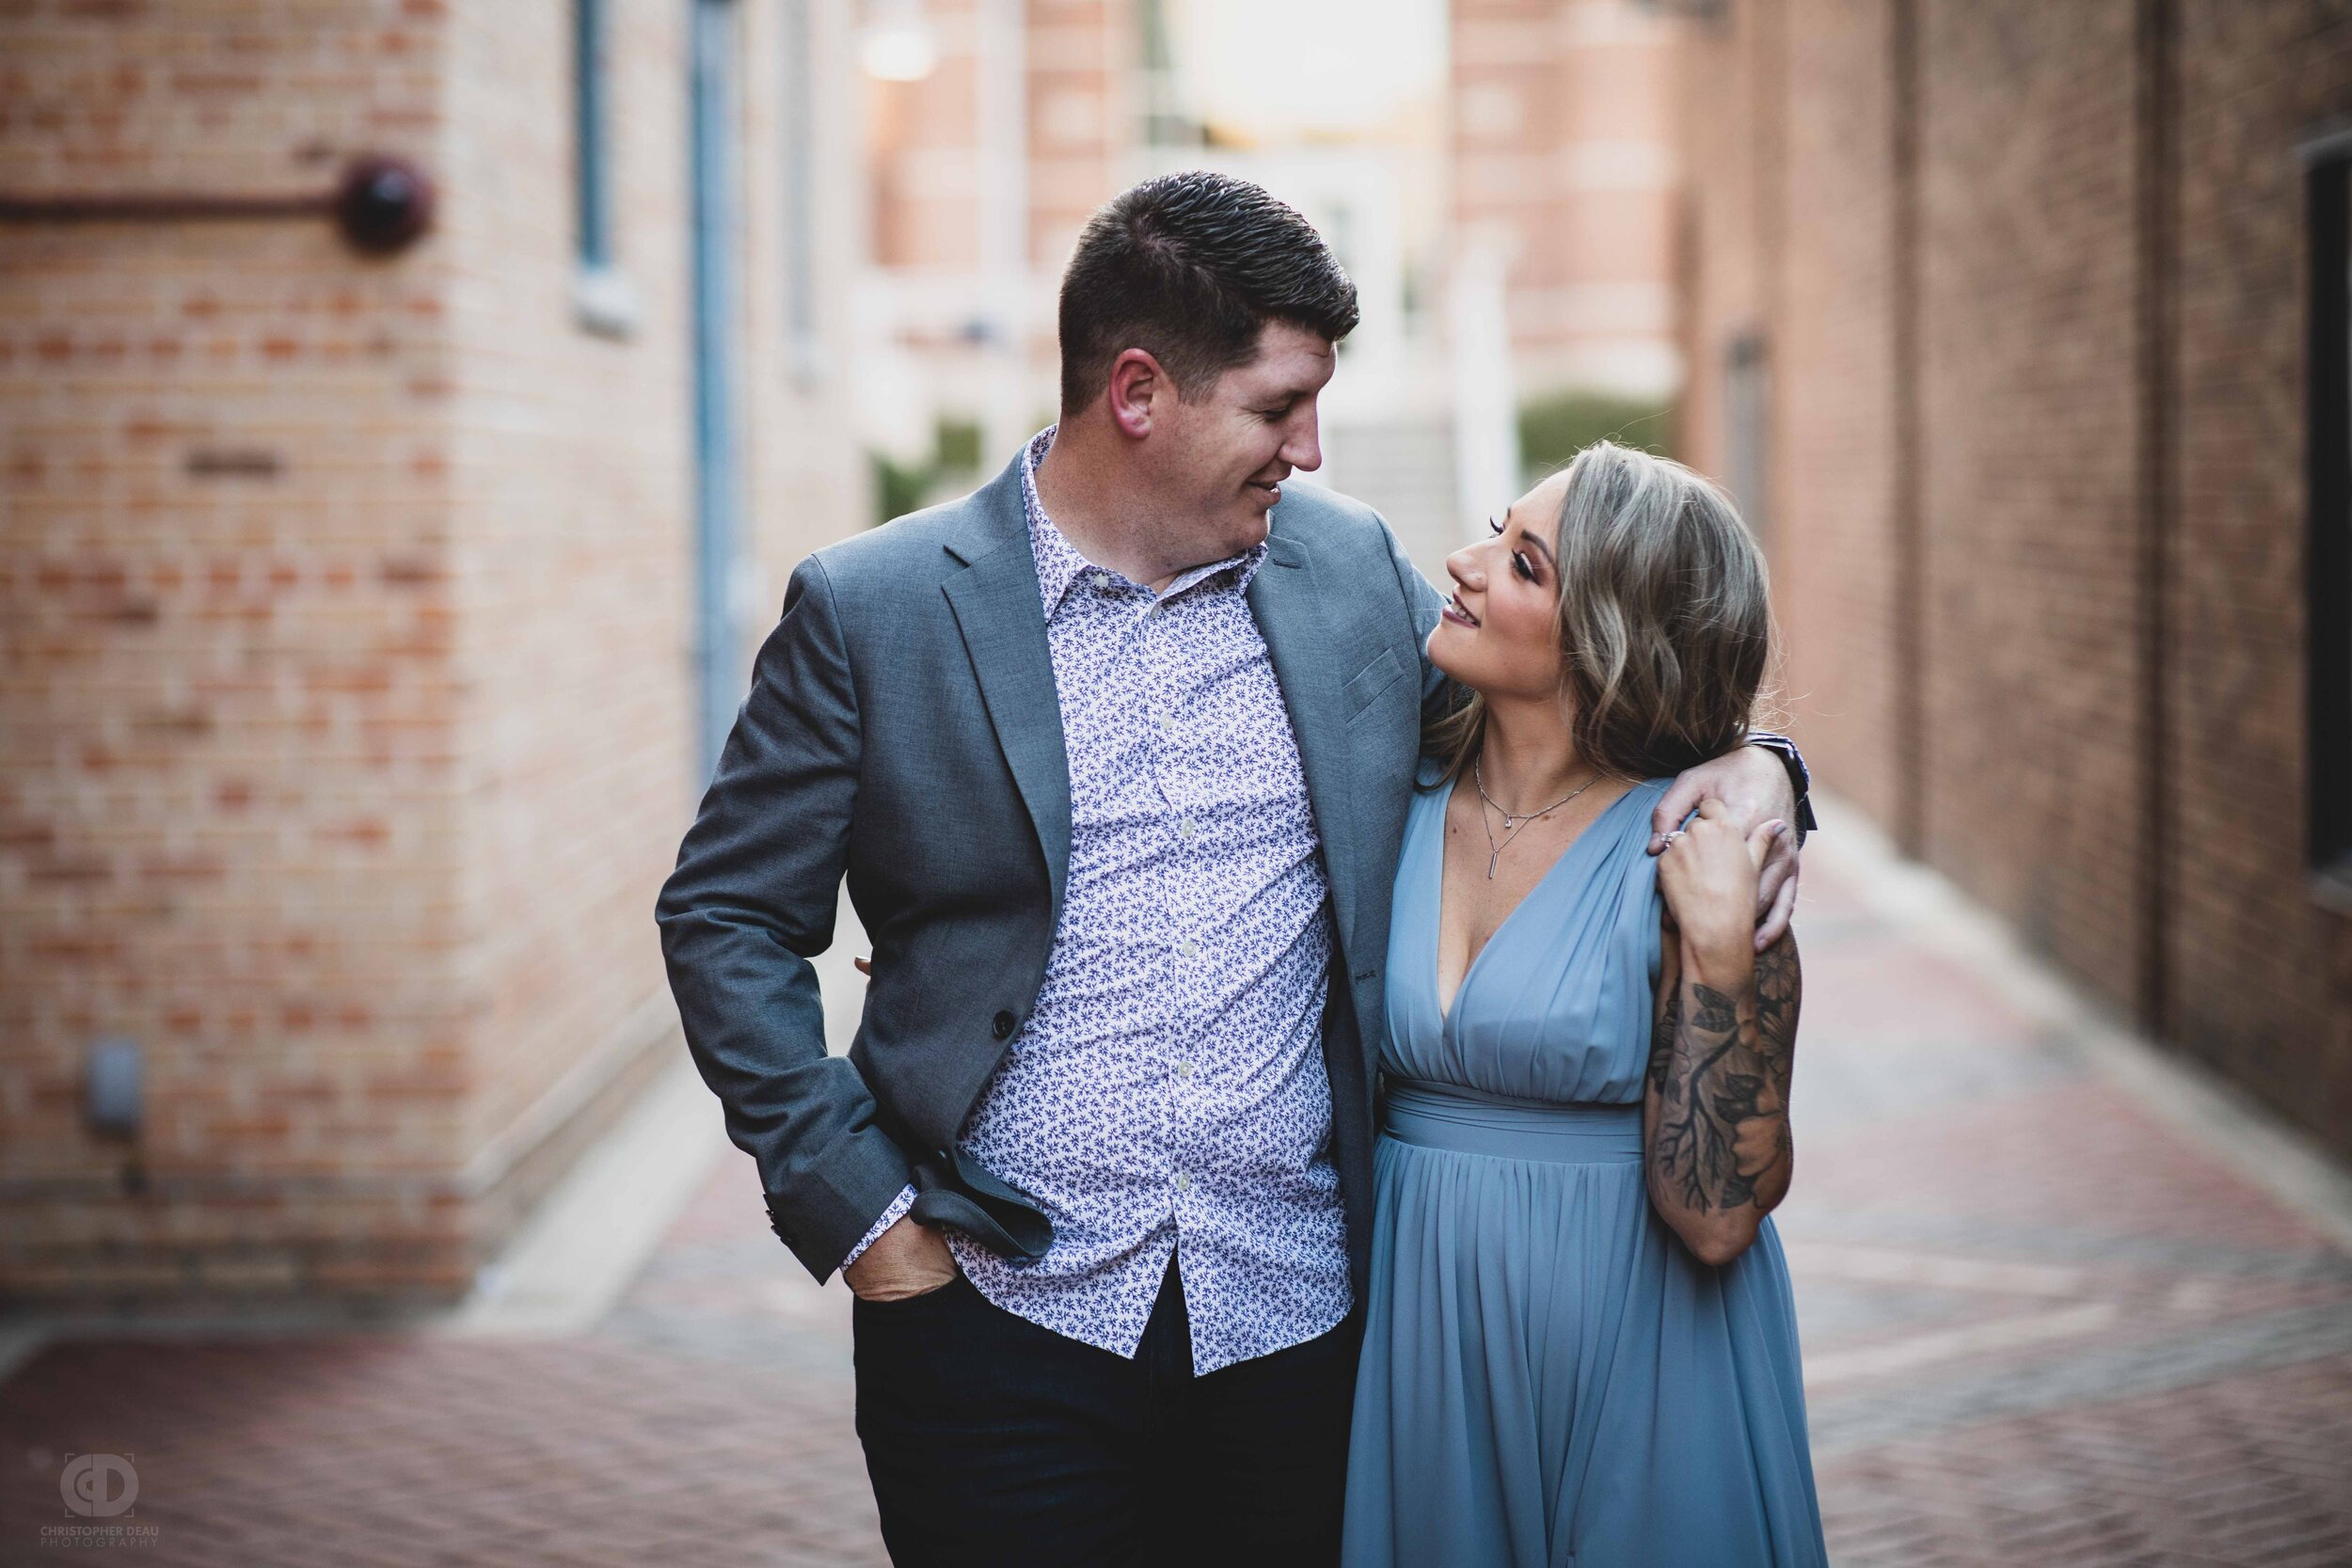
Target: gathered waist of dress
[[1470, 1121]]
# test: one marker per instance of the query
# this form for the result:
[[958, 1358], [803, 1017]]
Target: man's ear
[[1136, 381]]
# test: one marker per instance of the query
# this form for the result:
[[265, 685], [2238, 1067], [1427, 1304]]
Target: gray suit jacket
[[902, 728]]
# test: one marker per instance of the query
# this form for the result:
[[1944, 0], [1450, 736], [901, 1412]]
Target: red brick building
[[364, 617], [1562, 155], [981, 163], [2022, 329]]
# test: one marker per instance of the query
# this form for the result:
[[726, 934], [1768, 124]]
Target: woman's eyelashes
[[1519, 562]]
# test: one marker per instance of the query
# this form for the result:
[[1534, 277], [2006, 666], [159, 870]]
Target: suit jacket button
[[1002, 1026]]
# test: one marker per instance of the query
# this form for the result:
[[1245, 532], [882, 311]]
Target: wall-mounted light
[[381, 205], [898, 45], [111, 1090]]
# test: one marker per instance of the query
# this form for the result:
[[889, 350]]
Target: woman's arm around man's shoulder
[[1718, 1154]]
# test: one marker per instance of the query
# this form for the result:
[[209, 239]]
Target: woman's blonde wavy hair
[[1666, 621]]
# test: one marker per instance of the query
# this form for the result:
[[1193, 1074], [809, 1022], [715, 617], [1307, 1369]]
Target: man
[[1115, 755]]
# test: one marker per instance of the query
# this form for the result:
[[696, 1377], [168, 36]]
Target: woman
[[1580, 1346]]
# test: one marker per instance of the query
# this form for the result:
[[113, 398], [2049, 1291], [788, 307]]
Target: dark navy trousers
[[993, 1441]]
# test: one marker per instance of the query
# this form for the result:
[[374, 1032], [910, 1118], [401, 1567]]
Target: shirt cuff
[[890, 1216]]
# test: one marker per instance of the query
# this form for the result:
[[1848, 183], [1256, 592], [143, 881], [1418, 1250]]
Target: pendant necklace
[[1513, 822]]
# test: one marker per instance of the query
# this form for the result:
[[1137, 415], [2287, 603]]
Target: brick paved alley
[[2045, 1326]]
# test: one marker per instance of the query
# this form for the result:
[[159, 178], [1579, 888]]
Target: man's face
[[1218, 458]]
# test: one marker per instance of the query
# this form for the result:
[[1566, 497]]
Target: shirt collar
[[1059, 562]]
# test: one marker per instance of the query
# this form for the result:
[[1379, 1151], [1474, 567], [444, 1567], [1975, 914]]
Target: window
[[602, 299], [2330, 405]]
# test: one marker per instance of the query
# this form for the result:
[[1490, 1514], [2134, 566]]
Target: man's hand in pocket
[[907, 1260]]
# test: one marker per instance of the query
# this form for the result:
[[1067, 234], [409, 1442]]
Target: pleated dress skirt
[[1549, 1379]]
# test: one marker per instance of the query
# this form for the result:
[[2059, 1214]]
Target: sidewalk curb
[[2216, 1114], [562, 1272], [20, 1343], [568, 1266], [583, 1246], [579, 1252]]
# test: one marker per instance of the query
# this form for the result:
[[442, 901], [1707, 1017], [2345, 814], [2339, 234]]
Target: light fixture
[[898, 45]]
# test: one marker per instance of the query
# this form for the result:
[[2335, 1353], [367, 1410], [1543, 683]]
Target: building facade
[[1563, 152], [370, 613], [993, 129], [996, 128], [2021, 330]]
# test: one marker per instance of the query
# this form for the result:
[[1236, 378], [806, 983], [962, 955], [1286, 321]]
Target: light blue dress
[[1549, 1379]]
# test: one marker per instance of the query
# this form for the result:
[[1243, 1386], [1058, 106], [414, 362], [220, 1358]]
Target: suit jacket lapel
[[996, 604], [1298, 635]]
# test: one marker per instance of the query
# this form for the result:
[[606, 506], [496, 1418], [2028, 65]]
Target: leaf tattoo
[[1720, 1068]]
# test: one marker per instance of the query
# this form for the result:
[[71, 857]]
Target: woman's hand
[[1754, 784], [1708, 873]]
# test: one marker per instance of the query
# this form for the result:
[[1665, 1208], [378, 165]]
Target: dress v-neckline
[[1446, 1006]]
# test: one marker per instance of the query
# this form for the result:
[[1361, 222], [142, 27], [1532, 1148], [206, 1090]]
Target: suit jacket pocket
[[1367, 685]]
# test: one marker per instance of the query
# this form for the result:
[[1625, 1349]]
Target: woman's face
[[1499, 634]]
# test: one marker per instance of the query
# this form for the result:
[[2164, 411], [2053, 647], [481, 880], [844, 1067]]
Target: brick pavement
[[2043, 1327], [705, 1421]]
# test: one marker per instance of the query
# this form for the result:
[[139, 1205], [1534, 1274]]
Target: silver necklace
[[1513, 822]]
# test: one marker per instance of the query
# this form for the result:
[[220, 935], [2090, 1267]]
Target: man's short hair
[[1190, 268]]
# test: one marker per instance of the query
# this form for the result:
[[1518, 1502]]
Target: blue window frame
[[721, 559], [603, 300], [591, 196]]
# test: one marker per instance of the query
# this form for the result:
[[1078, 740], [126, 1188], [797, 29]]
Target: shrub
[[1556, 428]]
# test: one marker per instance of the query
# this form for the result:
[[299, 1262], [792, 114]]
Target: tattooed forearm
[[1662, 1040], [1719, 1080]]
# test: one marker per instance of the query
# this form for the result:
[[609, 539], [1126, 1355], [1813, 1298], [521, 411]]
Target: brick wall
[[232, 699], [2035, 475], [2260, 977], [1833, 556], [1730, 101], [2029, 492], [347, 608], [570, 566], [809, 480]]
